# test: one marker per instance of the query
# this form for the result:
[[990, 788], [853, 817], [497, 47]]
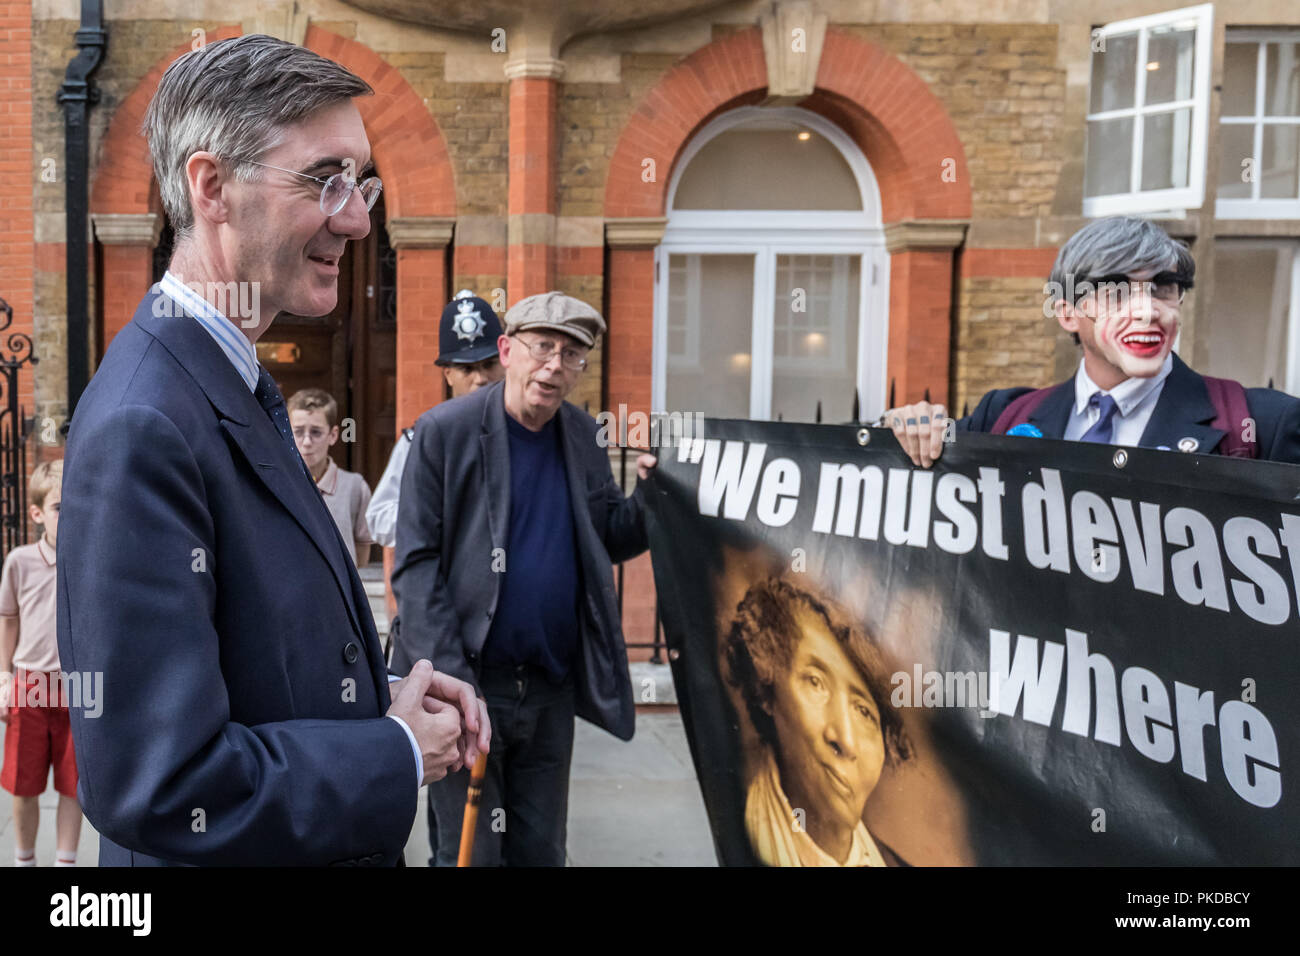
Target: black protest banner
[[1036, 652]]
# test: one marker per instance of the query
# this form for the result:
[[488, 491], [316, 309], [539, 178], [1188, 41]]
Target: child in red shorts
[[32, 702]]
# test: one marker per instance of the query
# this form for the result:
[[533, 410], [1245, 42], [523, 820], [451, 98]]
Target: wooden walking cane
[[470, 823]]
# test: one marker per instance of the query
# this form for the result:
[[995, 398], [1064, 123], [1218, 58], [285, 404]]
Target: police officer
[[467, 353]]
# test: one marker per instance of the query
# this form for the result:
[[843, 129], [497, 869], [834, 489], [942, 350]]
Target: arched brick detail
[[408, 147], [891, 114], [409, 152], [901, 127], [728, 72], [407, 144], [124, 175]]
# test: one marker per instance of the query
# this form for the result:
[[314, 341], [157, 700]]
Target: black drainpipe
[[77, 94]]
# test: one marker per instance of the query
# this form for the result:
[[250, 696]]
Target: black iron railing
[[626, 460], [14, 431]]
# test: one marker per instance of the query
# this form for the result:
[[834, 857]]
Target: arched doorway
[[772, 275]]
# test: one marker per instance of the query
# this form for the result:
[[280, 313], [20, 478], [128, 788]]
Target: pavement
[[630, 804]]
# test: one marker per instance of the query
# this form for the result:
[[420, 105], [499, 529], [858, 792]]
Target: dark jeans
[[525, 803]]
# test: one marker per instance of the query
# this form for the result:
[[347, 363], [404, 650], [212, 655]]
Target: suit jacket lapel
[[569, 436], [251, 432], [1183, 410], [494, 446], [1053, 412]]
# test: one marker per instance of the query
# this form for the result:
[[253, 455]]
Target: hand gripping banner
[[1036, 652]]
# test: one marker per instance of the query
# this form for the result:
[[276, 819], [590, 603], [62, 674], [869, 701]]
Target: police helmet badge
[[469, 321]]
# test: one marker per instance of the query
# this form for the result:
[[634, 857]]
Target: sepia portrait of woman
[[817, 692]]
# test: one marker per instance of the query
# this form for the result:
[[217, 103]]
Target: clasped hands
[[449, 720]]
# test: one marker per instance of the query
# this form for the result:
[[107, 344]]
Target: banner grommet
[[864, 436], [1121, 458]]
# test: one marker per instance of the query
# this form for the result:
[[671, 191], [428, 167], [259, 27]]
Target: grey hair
[[235, 98], [1118, 244]]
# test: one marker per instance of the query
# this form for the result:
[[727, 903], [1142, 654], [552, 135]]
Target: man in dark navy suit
[[247, 716], [1117, 286]]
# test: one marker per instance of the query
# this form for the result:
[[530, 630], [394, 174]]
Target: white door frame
[[768, 233]]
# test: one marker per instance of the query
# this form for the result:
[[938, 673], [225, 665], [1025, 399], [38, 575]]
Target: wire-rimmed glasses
[[335, 190], [543, 350]]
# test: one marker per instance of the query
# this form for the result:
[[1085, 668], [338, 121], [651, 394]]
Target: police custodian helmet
[[468, 331]]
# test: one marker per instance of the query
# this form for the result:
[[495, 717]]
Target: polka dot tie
[[268, 395]]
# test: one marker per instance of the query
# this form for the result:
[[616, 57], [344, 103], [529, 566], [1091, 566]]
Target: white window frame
[[1291, 373], [765, 234], [1163, 202], [1256, 207]]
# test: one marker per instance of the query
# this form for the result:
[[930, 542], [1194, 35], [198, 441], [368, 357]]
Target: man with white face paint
[[1118, 286]]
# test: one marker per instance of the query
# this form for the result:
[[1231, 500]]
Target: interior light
[[804, 136]]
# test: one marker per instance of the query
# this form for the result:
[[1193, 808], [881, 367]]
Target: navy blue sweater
[[536, 621]]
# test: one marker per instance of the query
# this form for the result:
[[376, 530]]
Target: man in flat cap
[[509, 521]]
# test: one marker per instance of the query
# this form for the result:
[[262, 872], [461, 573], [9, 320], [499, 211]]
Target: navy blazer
[[452, 516], [199, 571], [1183, 410]]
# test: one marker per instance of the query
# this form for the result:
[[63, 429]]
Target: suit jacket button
[[471, 656], [350, 652]]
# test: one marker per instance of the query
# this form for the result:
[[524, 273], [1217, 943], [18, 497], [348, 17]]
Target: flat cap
[[556, 312]]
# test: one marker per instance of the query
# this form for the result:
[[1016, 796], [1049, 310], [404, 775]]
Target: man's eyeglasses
[[544, 349], [1168, 287], [336, 190], [316, 434]]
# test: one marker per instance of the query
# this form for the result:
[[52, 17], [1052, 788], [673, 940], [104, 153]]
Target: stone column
[[128, 241], [530, 258], [920, 305], [421, 246]]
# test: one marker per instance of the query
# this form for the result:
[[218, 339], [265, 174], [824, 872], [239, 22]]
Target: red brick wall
[[631, 327], [530, 266], [920, 287], [421, 294], [17, 223]]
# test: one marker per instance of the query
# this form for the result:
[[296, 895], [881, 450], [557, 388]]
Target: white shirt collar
[[233, 343], [1128, 394]]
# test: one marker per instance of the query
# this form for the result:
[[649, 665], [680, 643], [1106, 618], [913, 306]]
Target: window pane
[[1110, 151], [1239, 78], [757, 166], [1166, 144], [1282, 80], [1248, 318], [815, 347], [1238, 142], [1170, 55], [710, 299], [1277, 167], [1114, 73]]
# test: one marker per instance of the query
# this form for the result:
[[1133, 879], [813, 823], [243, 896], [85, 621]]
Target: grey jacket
[[454, 514]]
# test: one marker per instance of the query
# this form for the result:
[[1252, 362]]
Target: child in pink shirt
[[32, 703]]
